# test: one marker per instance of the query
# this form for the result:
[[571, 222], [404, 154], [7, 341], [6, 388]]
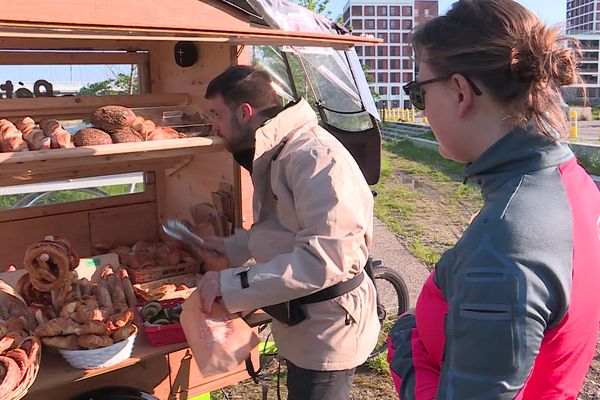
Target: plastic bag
[[220, 341]]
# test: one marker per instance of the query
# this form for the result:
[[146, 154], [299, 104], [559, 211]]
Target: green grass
[[429, 136], [64, 196], [423, 252], [436, 163], [379, 364], [591, 164], [410, 210]]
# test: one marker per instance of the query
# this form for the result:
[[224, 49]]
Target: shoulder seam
[[511, 197]]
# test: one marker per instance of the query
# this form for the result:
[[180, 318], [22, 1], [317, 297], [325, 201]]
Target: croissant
[[94, 341], [68, 309], [70, 342], [120, 319], [92, 327], [36, 140], [57, 326], [162, 133], [25, 125], [103, 296], [87, 309], [124, 332]]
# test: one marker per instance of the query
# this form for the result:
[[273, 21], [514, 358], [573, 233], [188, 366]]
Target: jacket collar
[[274, 130], [520, 151]]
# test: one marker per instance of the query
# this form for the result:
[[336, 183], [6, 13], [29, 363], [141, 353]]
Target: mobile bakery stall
[[108, 189]]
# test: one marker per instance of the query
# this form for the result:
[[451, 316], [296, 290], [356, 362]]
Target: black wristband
[[244, 279]]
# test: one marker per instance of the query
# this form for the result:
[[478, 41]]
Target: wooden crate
[[149, 274]]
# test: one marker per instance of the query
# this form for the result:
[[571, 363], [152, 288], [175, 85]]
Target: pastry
[[126, 135], [56, 327], [94, 341], [123, 333], [69, 342]]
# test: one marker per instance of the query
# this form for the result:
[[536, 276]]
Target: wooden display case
[[177, 173]]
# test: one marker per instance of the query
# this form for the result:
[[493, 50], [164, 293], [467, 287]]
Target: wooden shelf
[[78, 106], [55, 372], [57, 164]]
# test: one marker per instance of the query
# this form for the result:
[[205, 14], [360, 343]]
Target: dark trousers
[[306, 384]]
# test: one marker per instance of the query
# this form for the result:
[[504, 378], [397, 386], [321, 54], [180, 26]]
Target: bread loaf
[[91, 137], [112, 118]]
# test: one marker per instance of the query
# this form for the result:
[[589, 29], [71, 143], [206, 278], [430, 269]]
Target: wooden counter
[[169, 372]]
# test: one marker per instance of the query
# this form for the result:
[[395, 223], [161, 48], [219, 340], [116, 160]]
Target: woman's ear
[[464, 94]]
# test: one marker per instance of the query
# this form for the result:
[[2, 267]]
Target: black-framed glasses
[[414, 89]]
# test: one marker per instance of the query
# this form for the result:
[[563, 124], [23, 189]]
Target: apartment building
[[390, 65], [589, 70], [583, 16]]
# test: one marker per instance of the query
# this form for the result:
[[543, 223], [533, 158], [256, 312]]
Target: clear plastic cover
[[184, 119]]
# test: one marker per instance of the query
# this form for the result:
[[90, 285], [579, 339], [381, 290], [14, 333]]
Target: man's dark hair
[[244, 84]]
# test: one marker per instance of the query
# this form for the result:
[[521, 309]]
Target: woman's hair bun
[[545, 58]]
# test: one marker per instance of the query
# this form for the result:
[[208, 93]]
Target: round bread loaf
[[91, 137], [112, 118], [126, 135]]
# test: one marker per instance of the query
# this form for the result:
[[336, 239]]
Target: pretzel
[[49, 262]]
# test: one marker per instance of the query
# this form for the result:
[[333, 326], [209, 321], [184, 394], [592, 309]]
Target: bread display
[[91, 137], [111, 124]]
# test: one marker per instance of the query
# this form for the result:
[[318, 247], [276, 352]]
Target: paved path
[[387, 248]]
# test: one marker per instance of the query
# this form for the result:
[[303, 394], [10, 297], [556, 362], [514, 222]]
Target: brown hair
[[244, 84], [522, 62]]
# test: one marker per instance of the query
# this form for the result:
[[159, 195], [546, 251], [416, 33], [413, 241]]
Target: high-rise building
[[583, 16], [390, 64], [425, 10]]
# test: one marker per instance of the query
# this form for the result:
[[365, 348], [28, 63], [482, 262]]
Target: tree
[[122, 84], [318, 6]]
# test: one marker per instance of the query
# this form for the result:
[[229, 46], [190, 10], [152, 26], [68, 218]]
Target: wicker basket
[[21, 390], [148, 274], [102, 357]]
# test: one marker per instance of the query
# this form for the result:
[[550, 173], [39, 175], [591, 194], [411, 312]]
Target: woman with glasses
[[512, 310]]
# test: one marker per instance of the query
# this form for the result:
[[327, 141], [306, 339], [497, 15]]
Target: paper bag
[[219, 341]]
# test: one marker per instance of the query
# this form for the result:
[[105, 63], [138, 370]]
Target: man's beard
[[243, 149]]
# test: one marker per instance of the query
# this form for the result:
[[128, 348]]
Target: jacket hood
[[294, 116]]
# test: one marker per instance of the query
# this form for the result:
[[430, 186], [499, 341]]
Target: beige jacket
[[313, 215]]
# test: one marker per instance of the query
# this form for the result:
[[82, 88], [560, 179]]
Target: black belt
[[292, 313]]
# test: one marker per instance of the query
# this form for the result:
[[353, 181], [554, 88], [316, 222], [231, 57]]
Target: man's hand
[[209, 289], [213, 254]]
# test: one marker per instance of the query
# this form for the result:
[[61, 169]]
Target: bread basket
[[102, 357]]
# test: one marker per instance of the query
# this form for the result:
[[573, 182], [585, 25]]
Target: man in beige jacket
[[313, 214]]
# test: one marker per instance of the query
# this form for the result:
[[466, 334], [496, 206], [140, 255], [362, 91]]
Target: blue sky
[[551, 11]]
